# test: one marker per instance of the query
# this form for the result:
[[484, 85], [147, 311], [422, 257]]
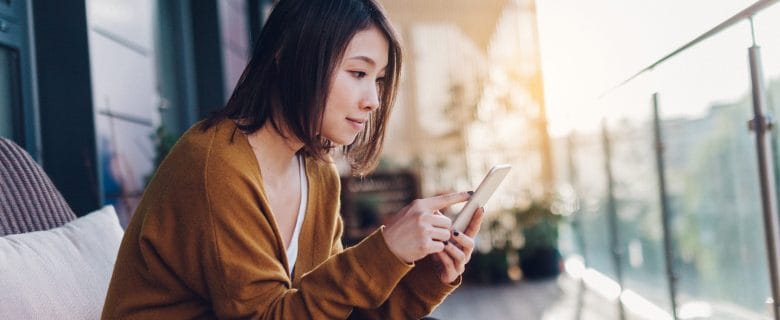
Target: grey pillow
[[62, 273]]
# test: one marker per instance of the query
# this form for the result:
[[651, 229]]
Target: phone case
[[481, 196]]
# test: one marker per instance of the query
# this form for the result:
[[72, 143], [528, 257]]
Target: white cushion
[[62, 273]]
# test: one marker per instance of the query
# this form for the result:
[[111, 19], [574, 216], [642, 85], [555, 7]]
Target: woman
[[242, 218]]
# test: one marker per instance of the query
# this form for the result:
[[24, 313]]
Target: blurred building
[[471, 96]]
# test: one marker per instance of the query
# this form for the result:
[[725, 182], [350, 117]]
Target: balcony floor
[[546, 299]]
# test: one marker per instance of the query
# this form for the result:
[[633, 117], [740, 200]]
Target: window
[[10, 8], [9, 93], [17, 110]]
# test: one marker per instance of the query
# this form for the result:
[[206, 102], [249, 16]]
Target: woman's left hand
[[457, 251]]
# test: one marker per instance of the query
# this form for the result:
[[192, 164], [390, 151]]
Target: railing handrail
[[744, 14]]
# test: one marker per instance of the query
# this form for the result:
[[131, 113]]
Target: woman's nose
[[370, 99]]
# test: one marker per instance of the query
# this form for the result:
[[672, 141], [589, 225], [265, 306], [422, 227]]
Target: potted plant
[[539, 256], [495, 257]]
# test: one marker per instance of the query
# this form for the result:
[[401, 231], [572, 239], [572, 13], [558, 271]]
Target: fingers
[[457, 256], [465, 243], [420, 229], [448, 272], [439, 221], [476, 222], [453, 262], [440, 234], [435, 246], [440, 226], [445, 200]]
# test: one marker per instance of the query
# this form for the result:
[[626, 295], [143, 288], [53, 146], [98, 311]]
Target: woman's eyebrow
[[366, 60]]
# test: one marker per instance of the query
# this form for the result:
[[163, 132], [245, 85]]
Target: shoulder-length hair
[[288, 78]]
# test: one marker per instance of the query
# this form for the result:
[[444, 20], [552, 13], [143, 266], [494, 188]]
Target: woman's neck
[[277, 152]]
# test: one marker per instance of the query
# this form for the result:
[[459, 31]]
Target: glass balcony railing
[[704, 175]]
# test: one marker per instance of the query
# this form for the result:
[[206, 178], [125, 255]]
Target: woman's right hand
[[418, 230]]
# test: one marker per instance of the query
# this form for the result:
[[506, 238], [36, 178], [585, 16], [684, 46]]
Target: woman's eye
[[359, 74]]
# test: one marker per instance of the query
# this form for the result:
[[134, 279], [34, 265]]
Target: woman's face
[[355, 84]]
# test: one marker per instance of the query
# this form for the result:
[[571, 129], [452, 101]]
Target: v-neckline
[[300, 216], [297, 215], [300, 259]]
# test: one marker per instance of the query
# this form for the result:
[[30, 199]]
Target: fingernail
[[470, 192], [456, 233], [445, 242]]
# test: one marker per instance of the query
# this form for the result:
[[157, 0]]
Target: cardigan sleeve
[[416, 295]]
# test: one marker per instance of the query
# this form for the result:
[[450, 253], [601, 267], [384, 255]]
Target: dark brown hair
[[288, 79]]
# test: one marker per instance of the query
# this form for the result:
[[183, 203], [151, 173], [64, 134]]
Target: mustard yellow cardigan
[[203, 244]]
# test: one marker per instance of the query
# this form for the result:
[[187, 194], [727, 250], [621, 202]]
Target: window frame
[[14, 36]]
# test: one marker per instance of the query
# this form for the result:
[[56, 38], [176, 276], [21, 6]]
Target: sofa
[[53, 264]]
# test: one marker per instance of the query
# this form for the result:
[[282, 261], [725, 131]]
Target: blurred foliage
[[488, 267], [539, 225], [163, 142], [525, 238]]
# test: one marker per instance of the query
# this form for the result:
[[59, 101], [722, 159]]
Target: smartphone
[[481, 196]]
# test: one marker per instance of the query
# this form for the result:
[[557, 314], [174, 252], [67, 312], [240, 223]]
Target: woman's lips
[[357, 123]]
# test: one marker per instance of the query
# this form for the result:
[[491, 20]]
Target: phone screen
[[481, 196]]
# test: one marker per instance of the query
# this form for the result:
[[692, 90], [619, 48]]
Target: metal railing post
[[577, 220], [617, 252], [665, 210], [761, 125]]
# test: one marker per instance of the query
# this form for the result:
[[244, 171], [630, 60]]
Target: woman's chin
[[343, 138], [343, 141]]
